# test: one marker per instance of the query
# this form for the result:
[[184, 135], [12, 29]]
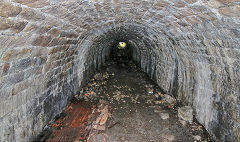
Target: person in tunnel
[[121, 53]]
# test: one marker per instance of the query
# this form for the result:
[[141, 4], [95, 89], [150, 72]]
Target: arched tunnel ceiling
[[190, 48]]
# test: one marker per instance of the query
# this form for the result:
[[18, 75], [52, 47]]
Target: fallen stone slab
[[164, 116], [169, 99], [186, 113]]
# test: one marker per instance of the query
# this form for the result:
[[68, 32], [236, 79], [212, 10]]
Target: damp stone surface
[[50, 48]]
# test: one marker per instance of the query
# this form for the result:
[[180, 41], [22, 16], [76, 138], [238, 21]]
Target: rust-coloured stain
[[73, 127]]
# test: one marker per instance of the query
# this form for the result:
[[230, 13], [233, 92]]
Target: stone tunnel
[[48, 48]]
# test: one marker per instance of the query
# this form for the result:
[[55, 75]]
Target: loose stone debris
[[169, 100], [129, 107], [164, 115], [184, 123], [186, 113], [99, 124], [168, 138], [197, 138]]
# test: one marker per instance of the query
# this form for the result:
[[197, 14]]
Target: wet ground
[[121, 104]]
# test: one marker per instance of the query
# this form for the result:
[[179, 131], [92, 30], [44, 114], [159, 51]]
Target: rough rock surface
[[48, 49], [164, 116], [186, 113], [130, 116]]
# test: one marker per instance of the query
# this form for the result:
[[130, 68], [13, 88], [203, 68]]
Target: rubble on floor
[[130, 107], [186, 113], [168, 138], [164, 115]]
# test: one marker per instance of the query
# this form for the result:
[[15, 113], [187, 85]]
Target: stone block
[[14, 102], [236, 32], [37, 110], [15, 54], [30, 93], [5, 69], [192, 20], [191, 1], [21, 86], [58, 41], [231, 11], [8, 10], [55, 10], [39, 52], [44, 29], [8, 105], [14, 26], [31, 106], [58, 49], [60, 76], [49, 66], [179, 4], [30, 14], [33, 3], [160, 4], [184, 13], [19, 100], [32, 27], [19, 26], [8, 132], [5, 93], [214, 3], [24, 95], [227, 1], [48, 104], [69, 59], [34, 71], [58, 70], [21, 65], [208, 16], [1, 112], [41, 60], [233, 53], [69, 35], [41, 40], [4, 24], [55, 57], [71, 41], [54, 32], [43, 96], [50, 82], [13, 79], [198, 9]]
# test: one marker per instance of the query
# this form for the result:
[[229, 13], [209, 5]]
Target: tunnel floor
[[121, 104]]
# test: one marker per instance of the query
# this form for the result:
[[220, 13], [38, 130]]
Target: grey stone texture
[[185, 113], [49, 48]]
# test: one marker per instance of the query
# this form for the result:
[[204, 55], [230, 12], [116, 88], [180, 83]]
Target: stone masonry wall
[[48, 48]]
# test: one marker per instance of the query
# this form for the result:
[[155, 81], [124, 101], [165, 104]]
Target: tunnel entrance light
[[122, 45]]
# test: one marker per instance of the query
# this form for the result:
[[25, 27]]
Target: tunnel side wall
[[183, 71], [36, 68], [191, 50]]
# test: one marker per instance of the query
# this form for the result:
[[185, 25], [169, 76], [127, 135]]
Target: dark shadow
[[120, 56]]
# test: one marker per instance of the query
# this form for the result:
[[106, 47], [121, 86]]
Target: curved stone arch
[[147, 50]]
